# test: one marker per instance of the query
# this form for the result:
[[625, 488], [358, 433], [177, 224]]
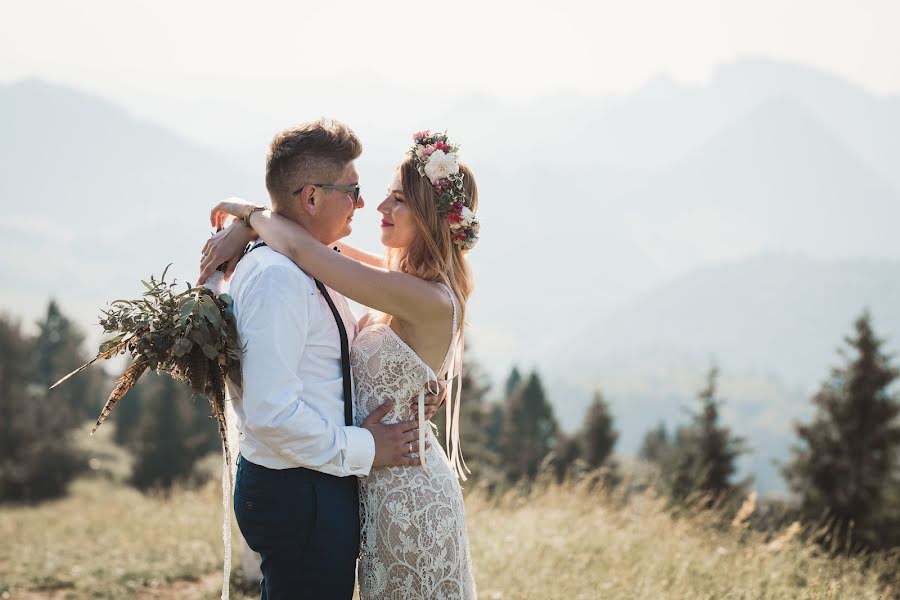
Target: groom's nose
[[360, 202]]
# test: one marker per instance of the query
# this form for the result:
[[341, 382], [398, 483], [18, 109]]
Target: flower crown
[[438, 160]]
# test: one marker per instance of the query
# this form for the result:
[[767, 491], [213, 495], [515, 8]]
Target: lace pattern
[[413, 540]]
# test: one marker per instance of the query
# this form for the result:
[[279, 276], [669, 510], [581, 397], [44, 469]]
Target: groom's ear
[[307, 199]]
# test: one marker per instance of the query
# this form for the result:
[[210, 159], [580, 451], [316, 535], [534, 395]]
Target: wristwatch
[[253, 210]]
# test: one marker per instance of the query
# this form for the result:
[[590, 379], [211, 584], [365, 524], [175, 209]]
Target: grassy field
[[108, 541]]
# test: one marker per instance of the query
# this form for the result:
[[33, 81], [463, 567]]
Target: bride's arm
[[227, 247], [405, 297], [374, 260]]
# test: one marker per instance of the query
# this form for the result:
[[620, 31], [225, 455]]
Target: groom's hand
[[396, 444]]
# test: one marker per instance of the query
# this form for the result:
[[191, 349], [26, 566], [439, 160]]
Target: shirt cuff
[[360, 453]]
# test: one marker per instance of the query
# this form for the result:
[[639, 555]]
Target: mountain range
[[627, 241]]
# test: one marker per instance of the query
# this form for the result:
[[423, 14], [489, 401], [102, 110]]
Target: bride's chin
[[386, 239]]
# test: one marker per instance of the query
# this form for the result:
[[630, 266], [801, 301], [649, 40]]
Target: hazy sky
[[501, 48]]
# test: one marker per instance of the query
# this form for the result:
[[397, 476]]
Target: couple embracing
[[338, 460]]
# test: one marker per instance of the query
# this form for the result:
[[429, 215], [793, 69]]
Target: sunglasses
[[353, 190]]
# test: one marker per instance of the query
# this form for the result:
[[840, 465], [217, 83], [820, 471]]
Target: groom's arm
[[273, 319]]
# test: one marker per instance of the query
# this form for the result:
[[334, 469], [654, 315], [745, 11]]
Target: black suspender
[[345, 348]]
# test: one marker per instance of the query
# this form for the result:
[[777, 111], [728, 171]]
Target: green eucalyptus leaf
[[212, 315], [186, 309]]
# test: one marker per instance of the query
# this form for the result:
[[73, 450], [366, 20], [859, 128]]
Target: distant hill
[[580, 242], [664, 122], [95, 199], [773, 323]]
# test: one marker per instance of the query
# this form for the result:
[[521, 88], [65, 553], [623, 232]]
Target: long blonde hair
[[432, 255]]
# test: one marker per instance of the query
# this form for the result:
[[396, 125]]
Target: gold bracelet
[[249, 214]]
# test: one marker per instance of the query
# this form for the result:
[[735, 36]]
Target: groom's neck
[[308, 223]]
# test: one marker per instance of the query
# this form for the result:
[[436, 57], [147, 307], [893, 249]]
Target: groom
[[295, 494]]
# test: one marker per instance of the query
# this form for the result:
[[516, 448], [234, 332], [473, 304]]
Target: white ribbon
[[457, 462], [214, 284], [422, 425]]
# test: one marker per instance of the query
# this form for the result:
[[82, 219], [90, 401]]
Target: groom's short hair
[[313, 152]]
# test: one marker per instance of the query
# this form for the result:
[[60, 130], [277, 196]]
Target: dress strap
[[454, 335]]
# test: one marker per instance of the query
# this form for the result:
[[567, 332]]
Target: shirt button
[[248, 505], [355, 468]]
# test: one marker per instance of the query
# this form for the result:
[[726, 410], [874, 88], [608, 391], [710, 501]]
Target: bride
[[413, 540]]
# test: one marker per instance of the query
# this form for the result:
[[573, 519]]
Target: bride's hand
[[436, 395], [236, 207], [226, 246]]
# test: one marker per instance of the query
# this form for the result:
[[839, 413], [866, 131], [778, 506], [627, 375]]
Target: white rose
[[420, 151], [441, 165], [467, 216]]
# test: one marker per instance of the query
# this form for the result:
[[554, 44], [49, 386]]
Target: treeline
[[165, 430], [844, 470]]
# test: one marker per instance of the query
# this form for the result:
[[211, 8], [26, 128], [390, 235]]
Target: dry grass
[[107, 541], [563, 542]]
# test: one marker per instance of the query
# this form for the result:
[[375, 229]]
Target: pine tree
[[512, 381], [706, 451], [656, 446], [847, 463], [597, 437], [659, 449], [494, 412], [567, 456], [128, 413], [37, 459], [58, 349], [167, 441], [493, 425], [529, 430]]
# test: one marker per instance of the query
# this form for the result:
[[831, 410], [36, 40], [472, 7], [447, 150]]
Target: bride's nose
[[383, 208]]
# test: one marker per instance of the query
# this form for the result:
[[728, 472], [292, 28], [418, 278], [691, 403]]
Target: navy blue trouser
[[305, 525]]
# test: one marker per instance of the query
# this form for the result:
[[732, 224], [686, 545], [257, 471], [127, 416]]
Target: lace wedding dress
[[413, 542]]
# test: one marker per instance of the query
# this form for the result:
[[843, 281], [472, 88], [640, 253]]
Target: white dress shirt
[[290, 412]]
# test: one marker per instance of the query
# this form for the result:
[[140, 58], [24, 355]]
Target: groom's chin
[[344, 232]]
